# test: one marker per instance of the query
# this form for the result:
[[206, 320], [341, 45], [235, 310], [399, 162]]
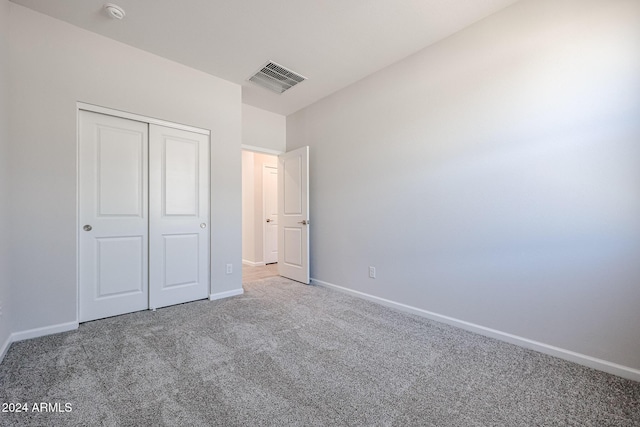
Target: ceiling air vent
[[276, 78]]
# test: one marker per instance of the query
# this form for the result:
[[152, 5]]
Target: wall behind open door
[[293, 209]]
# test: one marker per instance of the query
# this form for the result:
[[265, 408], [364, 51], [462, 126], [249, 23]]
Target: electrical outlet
[[372, 272], [229, 268]]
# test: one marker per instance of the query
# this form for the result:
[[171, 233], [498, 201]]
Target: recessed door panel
[[293, 246], [179, 216], [120, 166], [181, 260], [121, 268], [180, 176], [292, 167], [113, 231]]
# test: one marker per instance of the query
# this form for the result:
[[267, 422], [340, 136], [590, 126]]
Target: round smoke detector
[[114, 11]]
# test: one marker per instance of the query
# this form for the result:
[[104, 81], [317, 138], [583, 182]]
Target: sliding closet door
[[179, 216], [113, 237]]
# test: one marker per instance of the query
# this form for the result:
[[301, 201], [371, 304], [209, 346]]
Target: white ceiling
[[331, 42]]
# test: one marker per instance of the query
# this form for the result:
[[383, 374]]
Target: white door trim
[[139, 118], [257, 149]]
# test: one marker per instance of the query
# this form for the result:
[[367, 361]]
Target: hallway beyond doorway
[[251, 274]]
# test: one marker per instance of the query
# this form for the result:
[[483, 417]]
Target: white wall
[[493, 177], [5, 305], [54, 65], [248, 209], [263, 129], [253, 216], [266, 132]]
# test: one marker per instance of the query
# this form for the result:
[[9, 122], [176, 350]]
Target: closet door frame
[[81, 106]]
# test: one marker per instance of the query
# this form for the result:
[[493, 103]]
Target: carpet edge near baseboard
[[36, 333], [561, 353], [5, 348]]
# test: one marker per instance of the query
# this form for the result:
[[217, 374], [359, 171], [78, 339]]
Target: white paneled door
[[293, 206], [270, 201], [113, 216], [143, 216], [179, 216]]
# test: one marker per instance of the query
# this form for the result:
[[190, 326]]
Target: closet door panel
[[113, 220], [179, 216]]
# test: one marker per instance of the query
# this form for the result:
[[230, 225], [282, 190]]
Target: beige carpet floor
[[289, 354]]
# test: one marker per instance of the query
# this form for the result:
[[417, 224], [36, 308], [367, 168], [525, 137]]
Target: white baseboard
[[252, 264], [35, 333], [5, 348], [582, 359], [226, 294], [46, 330]]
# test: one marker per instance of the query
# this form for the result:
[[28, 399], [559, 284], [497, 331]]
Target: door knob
[[304, 222], [87, 228], [203, 225], [268, 219]]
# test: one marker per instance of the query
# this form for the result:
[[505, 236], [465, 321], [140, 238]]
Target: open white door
[[293, 221]]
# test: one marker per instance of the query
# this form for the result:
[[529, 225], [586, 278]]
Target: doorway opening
[[275, 195], [259, 214]]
